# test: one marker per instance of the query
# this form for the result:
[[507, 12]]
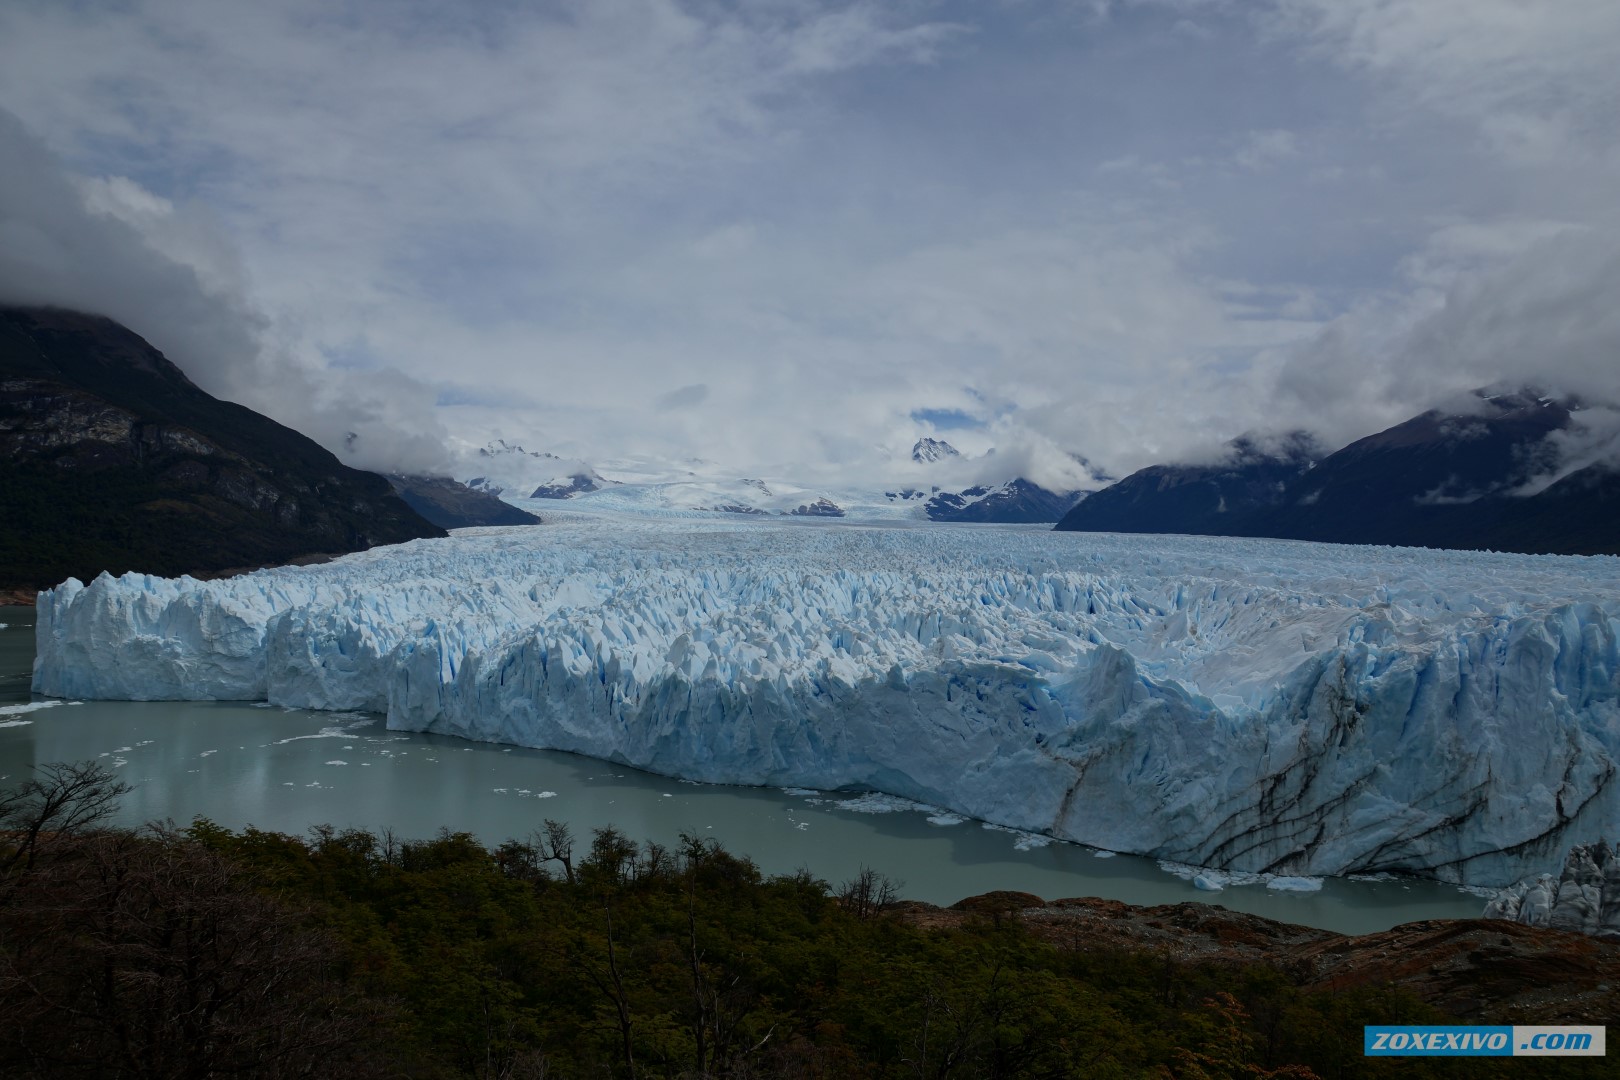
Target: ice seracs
[[1248, 705], [1584, 899]]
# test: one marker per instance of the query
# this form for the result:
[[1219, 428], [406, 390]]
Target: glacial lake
[[241, 764]]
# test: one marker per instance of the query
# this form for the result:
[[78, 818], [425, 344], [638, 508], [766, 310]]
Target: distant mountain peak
[[1018, 501], [501, 446], [926, 451], [580, 482]]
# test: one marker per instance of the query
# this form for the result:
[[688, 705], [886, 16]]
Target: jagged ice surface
[[1252, 705]]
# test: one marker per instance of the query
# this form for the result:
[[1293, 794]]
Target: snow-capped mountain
[[939, 485], [1253, 705], [985, 489], [580, 482], [926, 451], [508, 469], [1017, 502], [504, 468]]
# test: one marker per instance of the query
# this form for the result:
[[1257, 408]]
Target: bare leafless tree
[[555, 843], [60, 803], [868, 893]]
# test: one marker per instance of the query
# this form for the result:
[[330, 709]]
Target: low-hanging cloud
[[108, 247], [1543, 318]]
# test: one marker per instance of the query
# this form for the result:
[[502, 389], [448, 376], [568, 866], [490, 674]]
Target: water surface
[[242, 764]]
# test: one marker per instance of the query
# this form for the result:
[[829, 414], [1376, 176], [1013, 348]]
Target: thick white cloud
[[769, 234]]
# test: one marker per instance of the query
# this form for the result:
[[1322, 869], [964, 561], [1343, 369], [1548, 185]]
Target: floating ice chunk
[[1208, 882], [1290, 883], [27, 707], [1023, 841], [875, 802]]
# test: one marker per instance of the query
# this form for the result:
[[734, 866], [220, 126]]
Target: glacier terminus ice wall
[[1245, 704]]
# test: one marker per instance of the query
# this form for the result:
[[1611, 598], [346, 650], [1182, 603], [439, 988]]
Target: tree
[[868, 893], [145, 955], [58, 805], [555, 843], [1228, 1050]]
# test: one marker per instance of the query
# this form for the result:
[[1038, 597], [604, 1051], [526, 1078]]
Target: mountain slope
[[1440, 479], [450, 504], [1204, 499], [1017, 502], [1433, 480], [1579, 515], [111, 459]]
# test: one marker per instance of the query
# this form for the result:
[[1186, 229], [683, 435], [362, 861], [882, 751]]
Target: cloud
[[1263, 149], [1542, 316], [1538, 79], [108, 246], [1073, 223], [684, 398]]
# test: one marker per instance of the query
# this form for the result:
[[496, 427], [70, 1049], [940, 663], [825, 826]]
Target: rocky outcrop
[[1584, 898], [822, 507], [734, 508]]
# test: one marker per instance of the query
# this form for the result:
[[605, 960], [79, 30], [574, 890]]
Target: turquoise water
[[286, 769]]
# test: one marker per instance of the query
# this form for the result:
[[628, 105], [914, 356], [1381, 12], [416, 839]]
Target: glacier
[[1252, 706]]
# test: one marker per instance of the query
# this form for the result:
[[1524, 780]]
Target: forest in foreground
[[198, 951]]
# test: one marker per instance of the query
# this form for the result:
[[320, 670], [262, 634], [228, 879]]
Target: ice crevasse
[[1251, 705]]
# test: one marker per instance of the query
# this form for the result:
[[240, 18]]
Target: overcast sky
[[791, 234]]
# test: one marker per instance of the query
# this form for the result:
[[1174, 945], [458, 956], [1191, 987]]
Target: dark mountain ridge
[[1203, 499], [450, 504], [1441, 479], [111, 459]]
